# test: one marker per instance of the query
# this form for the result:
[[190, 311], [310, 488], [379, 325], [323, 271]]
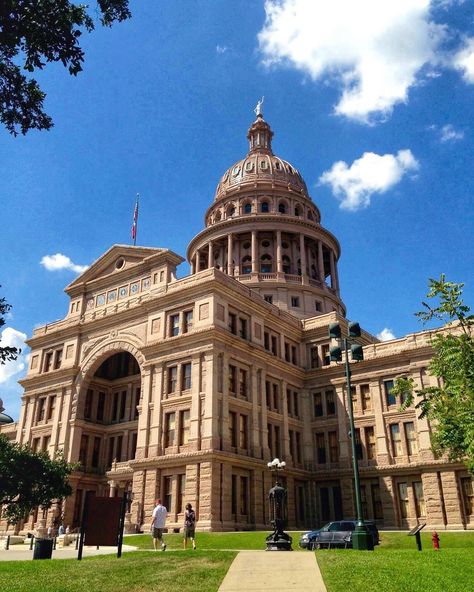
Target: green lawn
[[397, 566], [141, 571], [394, 566]]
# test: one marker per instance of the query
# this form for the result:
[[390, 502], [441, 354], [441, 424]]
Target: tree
[[34, 32], [30, 479], [7, 353], [450, 405]]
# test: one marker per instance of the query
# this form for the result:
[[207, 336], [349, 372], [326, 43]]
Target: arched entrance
[[105, 427]]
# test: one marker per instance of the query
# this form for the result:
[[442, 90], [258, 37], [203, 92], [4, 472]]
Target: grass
[[397, 566], [141, 571], [394, 566]]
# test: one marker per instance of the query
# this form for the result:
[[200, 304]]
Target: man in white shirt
[[158, 521]]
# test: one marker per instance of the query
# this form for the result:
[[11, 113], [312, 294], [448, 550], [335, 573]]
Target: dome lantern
[[260, 136]]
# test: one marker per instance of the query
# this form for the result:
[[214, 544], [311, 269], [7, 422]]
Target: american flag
[[135, 220]]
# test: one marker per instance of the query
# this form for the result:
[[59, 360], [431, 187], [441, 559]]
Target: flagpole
[[135, 221]]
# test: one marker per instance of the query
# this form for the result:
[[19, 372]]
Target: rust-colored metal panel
[[102, 521]]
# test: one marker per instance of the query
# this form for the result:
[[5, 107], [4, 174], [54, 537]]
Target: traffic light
[[354, 330], [357, 353], [335, 354], [335, 331]]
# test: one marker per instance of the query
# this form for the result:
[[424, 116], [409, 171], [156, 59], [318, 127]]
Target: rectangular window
[[376, 502], [276, 397], [184, 426], [363, 499], [370, 442], [277, 448], [294, 357], [232, 379], [274, 347], [115, 406], [325, 355], [365, 397], [170, 426], [181, 493], [298, 446], [419, 496], [295, 301], [123, 402], [233, 429], [243, 382], [51, 407], [287, 352], [96, 452], [41, 413], [83, 450], [187, 321], [468, 495], [48, 360], [333, 447], [266, 340], [320, 449], [318, 404], [243, 495], [268, 394], [186, 377], [317, 306], [330, 402], [243, 328], [168, 493], [403, 497], [172, 379], [243, 432], [359, 452], [410, 436], [138, 393], [174, 325], [58, 357], [46, 443], [270, 438], [35, 444], [118, 453], [313, 357], [268, 298], [133, 449], [110, 455], [232, 323], [388, 386], [396, 439], [234, 495], [100, 407]]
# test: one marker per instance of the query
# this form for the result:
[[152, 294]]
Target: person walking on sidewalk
[[158, 521], [189, 526]]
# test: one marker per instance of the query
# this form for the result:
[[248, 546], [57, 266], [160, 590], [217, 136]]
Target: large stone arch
[[99, 352]]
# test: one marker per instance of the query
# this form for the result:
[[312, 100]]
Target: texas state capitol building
[[185, 388]]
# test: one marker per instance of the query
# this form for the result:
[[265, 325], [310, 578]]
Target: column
[[278, 252], [198, 261], [382, 449], [230, 245], [321, 262], [333, 270], [210, 258], [254, 252], [302, 257]]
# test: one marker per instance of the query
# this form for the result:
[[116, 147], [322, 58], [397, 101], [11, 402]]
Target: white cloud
[[385, 335], [371, 173], [59, 261], [449, 134], [374, 50], [13, 338], [221, 48], [464, 60]]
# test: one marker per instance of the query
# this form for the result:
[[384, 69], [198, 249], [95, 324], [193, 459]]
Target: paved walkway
[[22, 552], [259, 571]]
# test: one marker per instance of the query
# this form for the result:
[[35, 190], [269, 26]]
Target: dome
[[260, 166]]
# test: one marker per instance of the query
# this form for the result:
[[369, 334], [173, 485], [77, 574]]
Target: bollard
[[7, 544], [32, 539], [54, 543]]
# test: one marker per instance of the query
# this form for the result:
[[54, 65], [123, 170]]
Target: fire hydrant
[[435, 539]]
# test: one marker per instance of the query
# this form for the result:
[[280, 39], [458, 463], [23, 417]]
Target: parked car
[[335, 534]]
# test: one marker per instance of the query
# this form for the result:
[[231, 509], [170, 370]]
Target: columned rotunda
[[186, 388]]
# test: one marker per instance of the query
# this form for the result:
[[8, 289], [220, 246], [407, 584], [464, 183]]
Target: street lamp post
[[361, 537], [278, 540]]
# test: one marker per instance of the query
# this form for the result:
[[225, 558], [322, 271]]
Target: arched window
[[310, 216], [286, 264], [246, 264], [264, 207], [248, 208], [217, 217], [297, 211], [230, 211], [282, 207], [266, 264]]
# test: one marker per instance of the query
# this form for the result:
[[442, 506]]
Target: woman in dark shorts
[[189, 526]]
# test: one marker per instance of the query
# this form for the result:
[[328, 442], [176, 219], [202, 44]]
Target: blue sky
[[372, 101]]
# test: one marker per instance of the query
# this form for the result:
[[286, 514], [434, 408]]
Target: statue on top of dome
[[258, 108]]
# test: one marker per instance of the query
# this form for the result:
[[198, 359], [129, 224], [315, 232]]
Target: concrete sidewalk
[[23, 553], [259, 571]]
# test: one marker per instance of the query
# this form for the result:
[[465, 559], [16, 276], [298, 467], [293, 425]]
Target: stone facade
[[185, 388]]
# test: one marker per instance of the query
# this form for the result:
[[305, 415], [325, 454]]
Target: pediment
[[120, 260]]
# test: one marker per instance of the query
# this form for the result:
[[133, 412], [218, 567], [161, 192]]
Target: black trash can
[[43, 549]]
